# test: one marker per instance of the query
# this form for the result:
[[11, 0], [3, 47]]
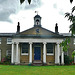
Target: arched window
[[37, 22]]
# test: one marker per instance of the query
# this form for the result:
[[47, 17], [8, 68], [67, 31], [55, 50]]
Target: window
[[50, 48], [25, 48], [8, 53], [0, 40], [9, 41]]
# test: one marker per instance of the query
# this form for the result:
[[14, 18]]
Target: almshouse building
[[36, 44]]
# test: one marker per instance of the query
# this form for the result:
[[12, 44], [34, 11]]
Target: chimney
[[56, 28], [18, 27]]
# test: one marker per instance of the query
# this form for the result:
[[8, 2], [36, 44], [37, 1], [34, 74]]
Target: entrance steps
[[37, 63]]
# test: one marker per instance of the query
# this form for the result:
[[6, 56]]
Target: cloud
[[61, 12], [34, 4], [7, 7], [55, 6]]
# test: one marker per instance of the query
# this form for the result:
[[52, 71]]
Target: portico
[[16, 50]]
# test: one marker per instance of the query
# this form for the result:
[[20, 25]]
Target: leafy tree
[[71, 1], [71, 18], [73, 54], [21, 1], [65, 44], [29, 1]]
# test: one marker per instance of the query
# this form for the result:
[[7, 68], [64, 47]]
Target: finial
[[36, 12]]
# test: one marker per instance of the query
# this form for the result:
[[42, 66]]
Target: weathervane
[[36, 12]]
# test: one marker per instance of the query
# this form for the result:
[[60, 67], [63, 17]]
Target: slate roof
[[6, 34], [65, 34], [37, 16]]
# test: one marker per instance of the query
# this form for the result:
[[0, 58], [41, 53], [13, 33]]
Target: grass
[[36, 70]]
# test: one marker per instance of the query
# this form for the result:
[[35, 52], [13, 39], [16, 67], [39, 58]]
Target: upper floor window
[[0, 40], [9, 40], [50, 47]]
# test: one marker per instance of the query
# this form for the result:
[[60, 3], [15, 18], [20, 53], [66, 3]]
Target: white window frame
[[9, 41], [23, 53], [7, 52], [50, 53], [0, 40]]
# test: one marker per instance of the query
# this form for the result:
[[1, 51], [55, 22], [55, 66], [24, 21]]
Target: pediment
[[37, 31]]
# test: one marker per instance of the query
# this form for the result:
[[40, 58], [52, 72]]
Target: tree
[[21, 1], [65, 44], [71, 18], [71, 1]]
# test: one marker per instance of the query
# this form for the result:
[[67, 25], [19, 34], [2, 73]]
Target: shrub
[[6, 60], [73, 54], [67, 60]]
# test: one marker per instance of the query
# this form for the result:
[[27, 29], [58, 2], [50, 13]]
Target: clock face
[[37, 31]]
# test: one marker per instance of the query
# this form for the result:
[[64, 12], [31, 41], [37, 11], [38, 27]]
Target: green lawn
[[36, 70]]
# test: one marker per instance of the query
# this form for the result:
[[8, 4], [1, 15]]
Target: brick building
[[36, 44]]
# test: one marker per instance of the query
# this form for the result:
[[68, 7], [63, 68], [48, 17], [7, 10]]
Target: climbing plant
[[65, 44]]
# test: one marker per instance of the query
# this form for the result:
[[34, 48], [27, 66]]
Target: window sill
[[50, 54], [24, 53]]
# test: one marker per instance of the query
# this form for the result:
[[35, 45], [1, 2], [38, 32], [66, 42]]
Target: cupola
[[37, 20]]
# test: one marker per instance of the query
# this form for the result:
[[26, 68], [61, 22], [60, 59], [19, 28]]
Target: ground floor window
[[50, 48], [25, 48], [8, 53]]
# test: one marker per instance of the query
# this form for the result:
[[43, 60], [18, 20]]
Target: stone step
[[37, 63]]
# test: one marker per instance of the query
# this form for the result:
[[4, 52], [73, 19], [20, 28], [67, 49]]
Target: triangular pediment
[[37, 31]]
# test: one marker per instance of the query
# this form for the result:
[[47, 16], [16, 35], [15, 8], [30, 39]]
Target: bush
[[6, 60], [67, 60], [73, 54]]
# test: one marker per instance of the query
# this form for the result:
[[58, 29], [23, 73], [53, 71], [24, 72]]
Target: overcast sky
[[51, 11]]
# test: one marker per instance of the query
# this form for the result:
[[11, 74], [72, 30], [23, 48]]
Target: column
[[30, 55], [57, 53], [17, 54], [62, 56], [44, 52], [12, 55], [0, 55]]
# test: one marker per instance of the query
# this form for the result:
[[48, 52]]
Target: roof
[[37, 16], [65, 34], [6, 34]]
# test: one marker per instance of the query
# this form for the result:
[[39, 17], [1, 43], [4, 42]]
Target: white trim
[[50, 53], [9, 40], [24, 54], [8, 52]]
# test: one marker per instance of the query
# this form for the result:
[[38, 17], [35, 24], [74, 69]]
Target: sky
[[51, 11]]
